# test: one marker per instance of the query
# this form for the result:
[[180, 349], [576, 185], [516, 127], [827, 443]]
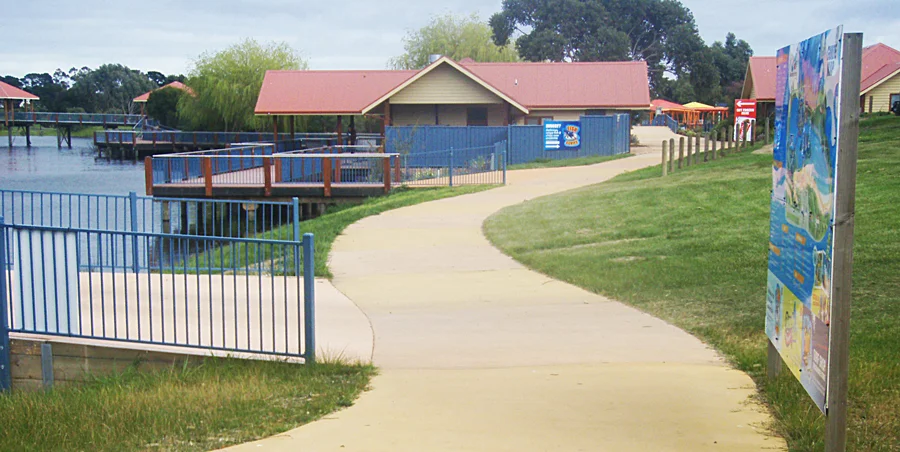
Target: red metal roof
[[8, 91], [667, 105], [878, 61], [176, 84], [620, 84], [762, 70], [533, 85], [325, 92]]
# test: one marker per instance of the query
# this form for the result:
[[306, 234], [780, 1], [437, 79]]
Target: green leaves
[[227, 85], [453, 36]]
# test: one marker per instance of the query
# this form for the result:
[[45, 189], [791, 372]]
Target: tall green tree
[[731, 59], [226, 85], [660, 32], [162, 105], [109, 89], [453, 36]]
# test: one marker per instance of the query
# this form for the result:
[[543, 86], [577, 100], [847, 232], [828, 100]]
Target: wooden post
[[773, 362], [767, 130], [671, 159], [680, 153], [690, 146], [842, 263], [293, 131], [728, 136], [326, 175], [665, 165], [267, 176], [207, 176], [277, 170], [27, 135], [715, 142], [706, 139], [340, 130], [148, 175], [386, 165], [275, 128], [397, 175]]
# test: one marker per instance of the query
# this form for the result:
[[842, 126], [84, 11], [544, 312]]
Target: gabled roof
[[431, 67], [761, 74], [8, 91], [525, 86], [324, 92], [879, 63], [616, 84], [176, 84], [667, 105]]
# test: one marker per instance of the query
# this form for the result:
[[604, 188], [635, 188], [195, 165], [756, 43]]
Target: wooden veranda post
[[275, 128], [293, 130], [842, 265]]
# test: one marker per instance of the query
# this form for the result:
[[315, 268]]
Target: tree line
[[109, 88]]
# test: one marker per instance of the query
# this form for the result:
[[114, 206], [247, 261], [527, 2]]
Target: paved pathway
[[478, 353]]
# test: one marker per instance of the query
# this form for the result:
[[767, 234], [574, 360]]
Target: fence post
[[665, 168], [267, 177], [680, 152], [671, 159], [386, 165], [309, 299], [5, 371], [295, 204], [132, 207], [450, 167], [714, 145], [504, 155]]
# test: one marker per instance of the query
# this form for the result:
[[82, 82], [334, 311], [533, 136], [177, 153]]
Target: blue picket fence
[[601, 135]]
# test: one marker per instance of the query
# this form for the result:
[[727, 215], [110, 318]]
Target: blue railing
[[234, 295], [665, 121], [94, 119], [216, 139], [481, 165]]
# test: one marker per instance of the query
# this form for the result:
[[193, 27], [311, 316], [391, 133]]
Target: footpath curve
[[478, 353]]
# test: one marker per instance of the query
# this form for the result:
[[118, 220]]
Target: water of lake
[[44, 167]]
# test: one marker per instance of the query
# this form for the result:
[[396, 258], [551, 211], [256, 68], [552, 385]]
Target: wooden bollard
[[680, 153], [690, 145], [671, 159], [728, 138], [681, 150], [715, 145], [665, 168]]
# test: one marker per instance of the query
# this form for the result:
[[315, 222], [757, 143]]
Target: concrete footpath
[[478, 353]]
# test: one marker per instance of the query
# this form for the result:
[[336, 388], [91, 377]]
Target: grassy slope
[[580, 161], [219, 403], [692, 249]]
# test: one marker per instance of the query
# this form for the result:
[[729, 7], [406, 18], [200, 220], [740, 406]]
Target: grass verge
[[580, 161], [215, 404], [691, 249]]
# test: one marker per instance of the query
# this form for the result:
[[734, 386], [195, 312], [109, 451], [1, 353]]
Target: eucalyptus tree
[[453, 36], [226, 85]]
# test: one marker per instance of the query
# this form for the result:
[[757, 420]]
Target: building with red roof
[[463, 93], [10, 95], [879, 81], [143, 98]]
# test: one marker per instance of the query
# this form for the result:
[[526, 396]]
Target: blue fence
[[601, 135], [480, 165], [664, 121], [78, 118]]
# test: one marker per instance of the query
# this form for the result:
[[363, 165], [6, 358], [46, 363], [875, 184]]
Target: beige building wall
[[448, 115], [879, 98], [445, 85], [555, 115]]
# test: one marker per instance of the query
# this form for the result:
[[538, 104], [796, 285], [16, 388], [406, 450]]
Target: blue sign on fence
[[562, 135]]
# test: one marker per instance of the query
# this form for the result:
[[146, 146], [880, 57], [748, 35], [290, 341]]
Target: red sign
[[745, 108]]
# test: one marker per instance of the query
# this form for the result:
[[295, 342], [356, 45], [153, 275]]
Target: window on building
[[537, 120], [894, 98], [477, 116]]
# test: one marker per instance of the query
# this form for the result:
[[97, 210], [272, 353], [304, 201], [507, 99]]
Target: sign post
[[812, 220], [744, 119]]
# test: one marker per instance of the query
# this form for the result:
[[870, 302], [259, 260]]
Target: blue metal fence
[[666, 121], [234, 295], [601, 135], [480, 165]]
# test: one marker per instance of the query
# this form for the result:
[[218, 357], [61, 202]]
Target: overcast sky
[[166, 35]]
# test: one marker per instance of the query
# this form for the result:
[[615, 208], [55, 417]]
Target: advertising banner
[[744, 119], [801, 241], [562, 135]]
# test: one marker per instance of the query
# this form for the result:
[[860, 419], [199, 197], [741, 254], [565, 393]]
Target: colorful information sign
[[744, 119], [801, 241], [562, 135]]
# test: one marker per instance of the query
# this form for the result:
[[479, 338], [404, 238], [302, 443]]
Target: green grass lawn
[[325, 228], [579, 161], [213, 405], [691, 248]]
